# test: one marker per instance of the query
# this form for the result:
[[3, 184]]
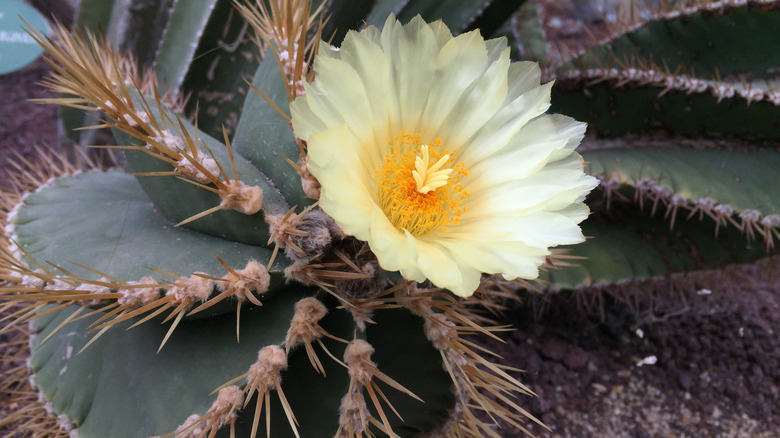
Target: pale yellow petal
[[410, 49], [442, 269], [458, 64], [497, 132], [514, 259], [534, 146], [526, 183], [479, 102]]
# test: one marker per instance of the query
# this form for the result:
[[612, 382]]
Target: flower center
[[418, 186]]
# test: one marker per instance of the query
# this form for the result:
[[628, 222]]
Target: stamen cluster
[[416, 196]]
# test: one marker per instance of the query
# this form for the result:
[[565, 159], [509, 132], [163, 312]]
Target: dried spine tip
[[266, 371], [304, 326], [253, 278], [145, 293], [241, 197], [189, 290], [440, 331]]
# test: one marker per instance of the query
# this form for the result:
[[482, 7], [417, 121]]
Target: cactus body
[[165, 288]]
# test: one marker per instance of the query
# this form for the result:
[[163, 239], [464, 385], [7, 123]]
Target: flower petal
[[526, 183]]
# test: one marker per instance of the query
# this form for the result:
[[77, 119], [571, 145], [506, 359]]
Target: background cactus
[[684, 150], [682, 109]]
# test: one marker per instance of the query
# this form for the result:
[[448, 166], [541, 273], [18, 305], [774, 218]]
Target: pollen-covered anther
[[416, 195], [241, 197], [192, 289], [225, 408], [430, 177], [440, 331], [304, 327], [139, 293]]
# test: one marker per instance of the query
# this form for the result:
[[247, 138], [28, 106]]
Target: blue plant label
[[17, 48]]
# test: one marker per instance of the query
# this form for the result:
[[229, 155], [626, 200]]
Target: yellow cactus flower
[[436, 150]]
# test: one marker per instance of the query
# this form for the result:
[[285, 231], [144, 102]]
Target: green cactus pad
[[615, 111], [731, 42], [626, 244], [524, 33], [117, 386], [105, 221], [121, 387], [179, 200], [744, 180], [178, 45], [265, 138], [457, 14], [225, 59], [402, 352]]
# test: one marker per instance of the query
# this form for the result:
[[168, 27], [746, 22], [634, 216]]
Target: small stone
[[539, 405], [731, 392], [575, 358], [533, 363], [554, 349], [685, 380]]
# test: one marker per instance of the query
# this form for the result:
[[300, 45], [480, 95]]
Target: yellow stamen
[[416, 195], [430, 178]]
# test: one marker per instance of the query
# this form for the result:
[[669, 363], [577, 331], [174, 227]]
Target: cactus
[[216, 286], [206, 292], [681, 106]]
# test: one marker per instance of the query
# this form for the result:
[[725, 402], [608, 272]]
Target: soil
[[717, 350], [716, 371], [24, 125]]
